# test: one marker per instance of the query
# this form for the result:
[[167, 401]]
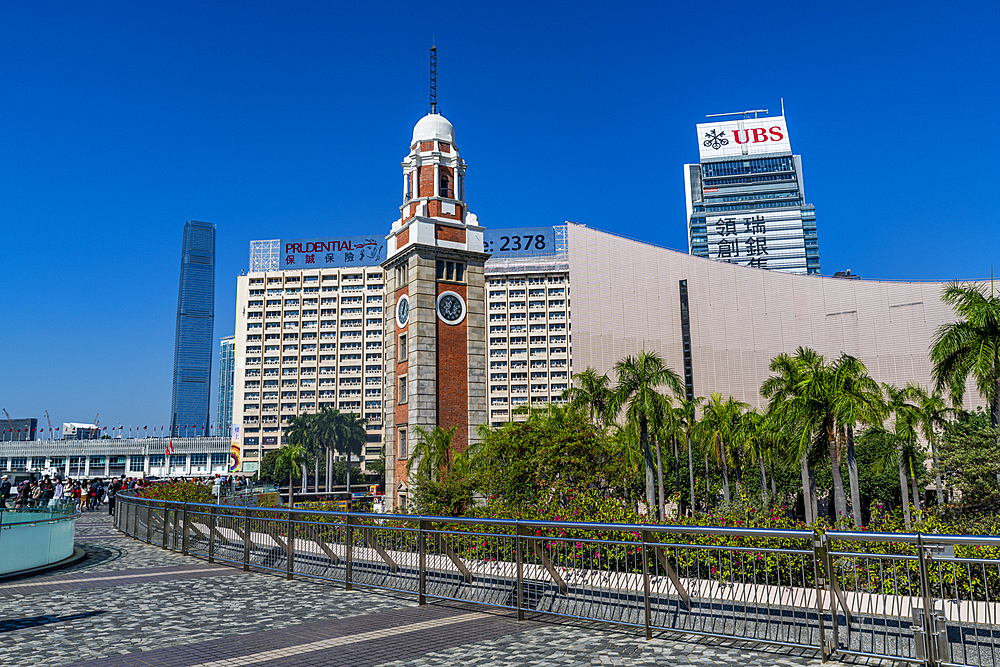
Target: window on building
[[402, 347], [402, 442], [445, 187], [402, 389]]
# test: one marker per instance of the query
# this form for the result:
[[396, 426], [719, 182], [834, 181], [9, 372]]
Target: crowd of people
[[88, 495]]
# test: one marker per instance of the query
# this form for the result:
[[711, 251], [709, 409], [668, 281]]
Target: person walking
[[112, 492], [85, 497], [59, 489], [4, 491]]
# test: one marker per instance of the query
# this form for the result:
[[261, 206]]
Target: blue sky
[[120, 121]]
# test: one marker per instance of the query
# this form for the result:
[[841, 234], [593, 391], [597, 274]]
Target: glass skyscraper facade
[[746, 199], [227, 365], [194, 338]]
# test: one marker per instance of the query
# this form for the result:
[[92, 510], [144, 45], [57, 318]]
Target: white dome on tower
[[433, 126]]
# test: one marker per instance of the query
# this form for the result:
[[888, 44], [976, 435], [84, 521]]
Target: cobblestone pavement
[[132, 604]]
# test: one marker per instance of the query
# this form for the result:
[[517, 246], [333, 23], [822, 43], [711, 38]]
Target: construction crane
[[96, 436], [11, 425], [50, 423]]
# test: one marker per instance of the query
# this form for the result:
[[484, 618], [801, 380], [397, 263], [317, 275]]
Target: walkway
[[129, 604]]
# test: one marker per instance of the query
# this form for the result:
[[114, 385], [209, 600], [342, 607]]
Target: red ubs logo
[[758, 135]]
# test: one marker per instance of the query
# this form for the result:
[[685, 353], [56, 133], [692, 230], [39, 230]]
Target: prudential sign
[[744, 137]]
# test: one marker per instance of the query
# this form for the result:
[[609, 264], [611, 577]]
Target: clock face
[[451, 308], [403, 311]]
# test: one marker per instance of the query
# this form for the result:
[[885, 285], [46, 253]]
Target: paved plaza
[[128, 603]]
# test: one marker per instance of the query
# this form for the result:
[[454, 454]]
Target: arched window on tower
[[446, 188]]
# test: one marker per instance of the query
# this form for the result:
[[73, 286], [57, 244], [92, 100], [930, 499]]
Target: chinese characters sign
[[767, 240], [520, 242], [749, 136], [340, 252]]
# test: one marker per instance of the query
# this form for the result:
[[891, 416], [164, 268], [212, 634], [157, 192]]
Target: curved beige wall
[[625, 296]]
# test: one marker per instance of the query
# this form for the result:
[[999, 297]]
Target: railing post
[[647, 612], [166, 516], [290, 547], [185, 531], [422, 526], [818, 549], [211, 534], [930, 630], [149, 521], [349, 563], [246, 539], [519, 558], [832, 590], [134, 516]]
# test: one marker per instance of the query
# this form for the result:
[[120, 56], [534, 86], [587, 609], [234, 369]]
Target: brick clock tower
[[435, 310]]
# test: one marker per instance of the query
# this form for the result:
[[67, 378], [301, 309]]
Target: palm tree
[[684, 413], [782, 391], [901, 402], [591, 393], [290, 455], [858, 401], [933, 414], [328, 426], [639, 378], [433, 455], [970, 346], [762, 437], [720, 423], [663, 427], [301, 431], [351, 441]]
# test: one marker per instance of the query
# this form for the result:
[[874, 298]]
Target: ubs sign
[[749, 136]]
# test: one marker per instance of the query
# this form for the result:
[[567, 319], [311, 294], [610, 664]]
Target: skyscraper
[[227, 365], [194, 335], [745, 199]]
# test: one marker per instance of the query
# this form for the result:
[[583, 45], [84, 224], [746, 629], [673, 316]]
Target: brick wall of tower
[[425, 181], [445, 233], [453, 373], [402, 410]]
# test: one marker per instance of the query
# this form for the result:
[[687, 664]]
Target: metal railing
[[906, 597]]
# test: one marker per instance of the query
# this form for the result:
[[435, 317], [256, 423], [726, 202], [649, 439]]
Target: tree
[[907, 418], [639, 378], [289, 457], [763, 438], [553, 456], [968, 456], [351, 440], [329, 428], [443, 483], [591, 393], [686, 420], [302, 432], [662, 427], [858, 400], [720, 426], [786, 406], [933, 415], [970, 346]]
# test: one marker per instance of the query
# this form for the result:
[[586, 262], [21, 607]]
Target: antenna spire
[[434, 79]]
